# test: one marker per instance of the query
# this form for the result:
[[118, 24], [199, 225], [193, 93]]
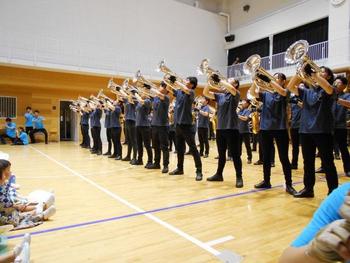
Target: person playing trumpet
[[203, 126], [227, 134]]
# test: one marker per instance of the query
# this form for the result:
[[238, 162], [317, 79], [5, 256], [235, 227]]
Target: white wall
[[110, 36], [259, 25]]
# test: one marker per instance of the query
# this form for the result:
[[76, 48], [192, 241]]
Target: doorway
[[67, 122]]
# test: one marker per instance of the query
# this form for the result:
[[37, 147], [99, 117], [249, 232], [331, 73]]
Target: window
[[8, 107]]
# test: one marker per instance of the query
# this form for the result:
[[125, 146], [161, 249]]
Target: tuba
[[297, 54], [168, 73], [214, 77], [252, 67]]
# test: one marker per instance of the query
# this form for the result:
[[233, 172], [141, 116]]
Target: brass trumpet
[[252, 67], [168, 74], [297, 53]]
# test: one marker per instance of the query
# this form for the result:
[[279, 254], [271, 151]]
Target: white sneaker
[[21, 251], [24, 257], [49, 212]]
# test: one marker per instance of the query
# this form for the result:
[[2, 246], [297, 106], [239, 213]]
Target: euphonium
[[168, 74], [214, 77], [145, 86], [252, 67]]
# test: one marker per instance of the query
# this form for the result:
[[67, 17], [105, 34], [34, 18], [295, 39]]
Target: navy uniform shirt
[[316, 114], [130, 111], [296, 114], [226, 110], [340, 112], [274, 111], [84, 119], [115, 117], [160, 111], [203, 121], [95, 118], [183, 107], [243, 125], [142, 112], [107, 119]]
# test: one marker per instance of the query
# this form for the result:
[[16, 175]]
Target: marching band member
[[296, 106], [227, 134], [273, 125], [116, 130], [108, 130], [95, 124], [203, 127], [172, 133], [84, 125], [316, 127], [243, 125]]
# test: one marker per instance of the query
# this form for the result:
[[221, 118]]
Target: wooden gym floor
[[110, 211]]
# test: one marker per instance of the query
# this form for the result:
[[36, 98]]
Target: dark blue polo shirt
[[340, 112], [84, 119], [142, 113], [243, 125], [183, 107], [226, 111], [130, 110], [203, 121], [274, 111], [107, 119], [115, 117], [160, 111], [296, 114], [316, 114], [95, 118]]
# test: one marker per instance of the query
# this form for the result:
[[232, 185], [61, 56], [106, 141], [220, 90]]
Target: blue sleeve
[[324, 215], [217, 97]]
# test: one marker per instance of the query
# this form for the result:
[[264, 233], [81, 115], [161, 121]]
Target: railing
[[316, 52]]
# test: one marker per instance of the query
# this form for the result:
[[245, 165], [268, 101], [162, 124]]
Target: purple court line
[[146, 212]]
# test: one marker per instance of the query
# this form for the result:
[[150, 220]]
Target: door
[[66, 122]]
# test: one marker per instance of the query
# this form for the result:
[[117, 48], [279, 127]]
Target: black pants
[[85, 134], [228, 139], [17, 141], [172, 139], [340, 138], [143, 138], [211, 131], [160, 144], [261, 151], [34, 131], [109, 139], [2, 138], [96, 137], [185, 134], [130, 137], [282, 142], [294, 134], [29, 129], [203, 140], [245, 137], [255, 141], [324, 143], [117, 146]]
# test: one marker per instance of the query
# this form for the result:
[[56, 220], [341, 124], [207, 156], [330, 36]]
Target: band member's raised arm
[[293, 84]]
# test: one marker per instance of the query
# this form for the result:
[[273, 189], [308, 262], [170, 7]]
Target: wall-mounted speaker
[[229, 38]]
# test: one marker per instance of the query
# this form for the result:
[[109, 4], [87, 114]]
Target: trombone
[[168, 75], [260, 76]]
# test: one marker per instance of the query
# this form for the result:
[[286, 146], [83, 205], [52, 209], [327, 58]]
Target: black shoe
[[148, 165], [112, 156], [272, 164], [154, 166], [294, 167], [139, 162], [254, 150], [99, 153], [176, 172], [188, 153], [258, 162], [215, 178], [175, 151], [133, 162], [217, 157], [93, 151], [336, 156], [290, 190], [118, 157], [249, 161], [304, 193], [199, 176], [205, 155], [126, 159], [319, 170], [347, 174], [262, 185], [107, 153], [239, 182], [165, 170]]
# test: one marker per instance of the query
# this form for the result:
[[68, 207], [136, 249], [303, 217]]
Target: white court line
[[219, 240], [130, 205]]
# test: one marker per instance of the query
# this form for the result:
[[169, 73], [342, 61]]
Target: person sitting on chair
[[10, 131], [38, 127]]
